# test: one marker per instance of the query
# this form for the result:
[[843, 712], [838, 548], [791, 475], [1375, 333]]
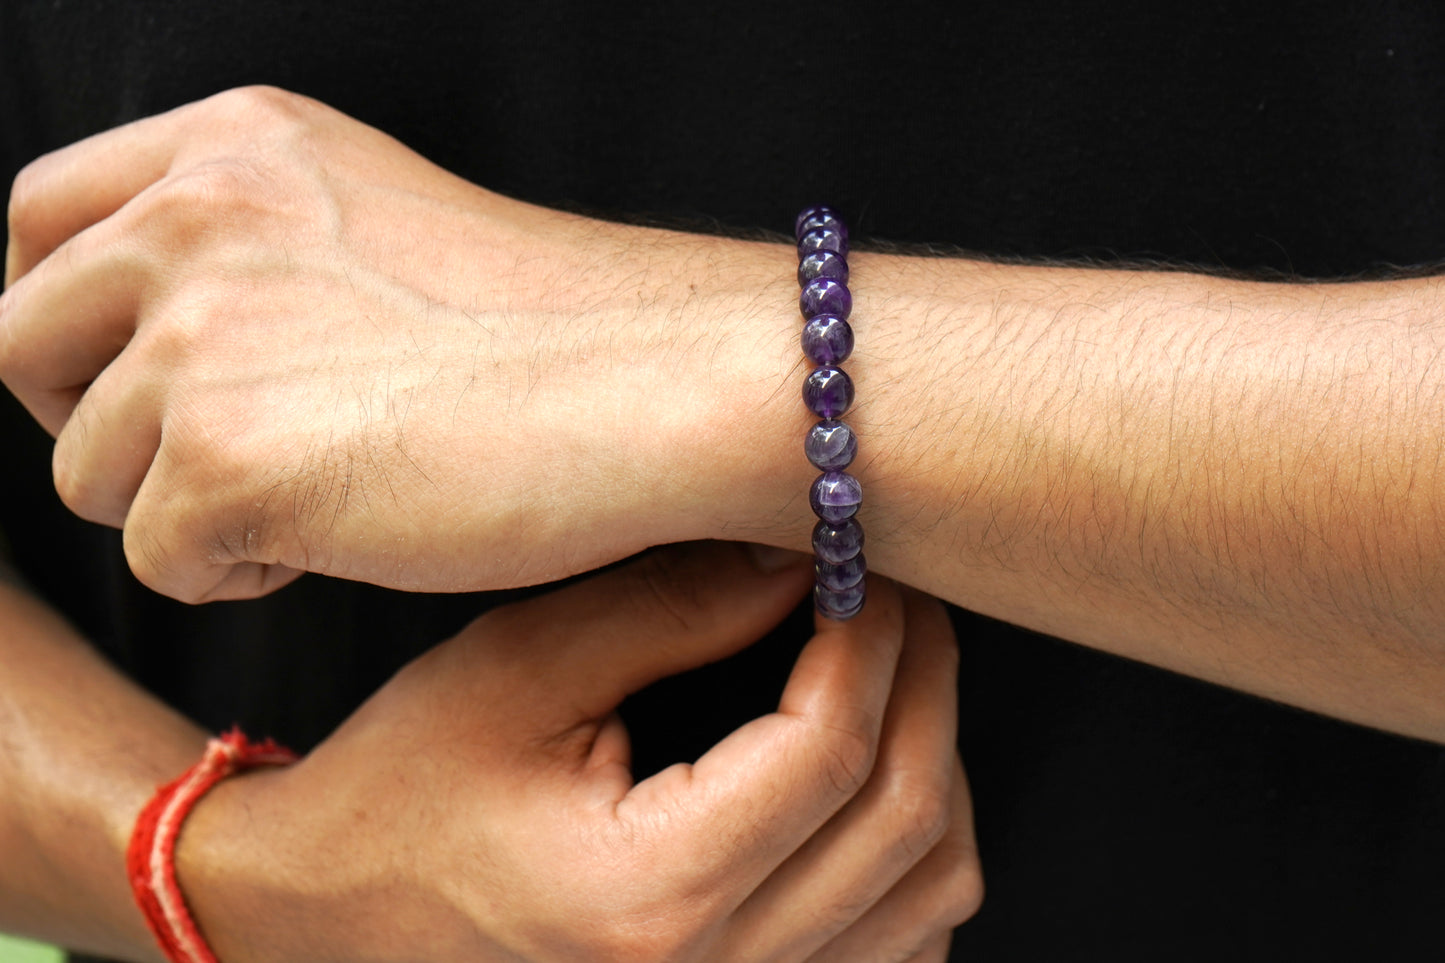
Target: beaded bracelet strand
[[828, 391]]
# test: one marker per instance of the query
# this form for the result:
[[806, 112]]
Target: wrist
[[913, 415], [641, 379], [151, 851], [243, 898], [747, 479], [274, 869], [738, 468], [699, 336]]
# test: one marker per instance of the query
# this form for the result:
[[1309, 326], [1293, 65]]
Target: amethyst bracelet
[[828, 391]]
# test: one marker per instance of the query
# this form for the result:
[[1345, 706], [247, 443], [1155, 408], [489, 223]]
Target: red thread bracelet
[[150, 859]]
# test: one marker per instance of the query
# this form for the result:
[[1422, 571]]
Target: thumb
[[591, 644]]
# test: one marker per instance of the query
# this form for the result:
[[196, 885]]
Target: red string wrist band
[[151, 857]]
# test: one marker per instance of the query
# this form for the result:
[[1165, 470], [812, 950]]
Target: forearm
[[1239, 481], [1235, 480], [82, 750]]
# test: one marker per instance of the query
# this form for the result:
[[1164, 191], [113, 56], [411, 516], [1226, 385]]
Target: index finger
[[757, 796], [60, 194], [64, 192]]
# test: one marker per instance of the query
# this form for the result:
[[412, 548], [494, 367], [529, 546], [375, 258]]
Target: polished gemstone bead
[[836, 542], [825, 296], [823, 239], [835, 495], [841, 605], [828, 391], [819, 215], [843, 575], [805, 214], [830, 445], [822, 264], [827, 339]]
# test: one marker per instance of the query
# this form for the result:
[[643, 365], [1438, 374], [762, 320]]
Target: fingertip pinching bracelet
[[828, 391]]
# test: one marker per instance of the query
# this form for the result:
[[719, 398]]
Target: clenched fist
[[271, 339]]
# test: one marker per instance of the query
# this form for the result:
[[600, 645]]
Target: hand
[[272, 339], [480, 806]]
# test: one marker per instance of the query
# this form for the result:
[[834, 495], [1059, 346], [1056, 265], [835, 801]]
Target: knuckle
[[849, 748], [958, 886], [84, 484], [250, 500], [177, 332], [919, 803], [960, 893], [186, 523], [210, 519], [186, 560], [72, 484], [262, 102], [266, 116], [841, 912], [190, 213], [202, 202], [242, 541], [152, 561]]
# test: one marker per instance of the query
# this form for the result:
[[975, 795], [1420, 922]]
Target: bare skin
[[271, 339], [483, 803]]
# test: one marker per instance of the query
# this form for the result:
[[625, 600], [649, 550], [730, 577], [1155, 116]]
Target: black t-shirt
[[1123, 813]]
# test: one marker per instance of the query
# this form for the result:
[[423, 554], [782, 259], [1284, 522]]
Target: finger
[[65, 321], [62, 193], [758, 795], [157, 566], [898, 817], [172, 547], [937, 895], [595, 642], [107, 444], [251, 580], [612, 750], [202, 526]]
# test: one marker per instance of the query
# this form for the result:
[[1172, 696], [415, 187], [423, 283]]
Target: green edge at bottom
[[14, 950]]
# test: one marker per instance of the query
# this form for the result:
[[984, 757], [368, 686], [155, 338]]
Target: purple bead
[[836, 542], [823, 264], [806, 213], [824, 219], [828, 391], [825, 296], [819, 215], [830, 445], [843, 575], [827, 339], [835, 495], [823, 239], [841, 605]]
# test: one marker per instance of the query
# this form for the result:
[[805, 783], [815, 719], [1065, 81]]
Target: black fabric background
[[1123, 813]]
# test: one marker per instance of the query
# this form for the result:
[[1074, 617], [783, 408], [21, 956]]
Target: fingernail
[[769, 559]]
